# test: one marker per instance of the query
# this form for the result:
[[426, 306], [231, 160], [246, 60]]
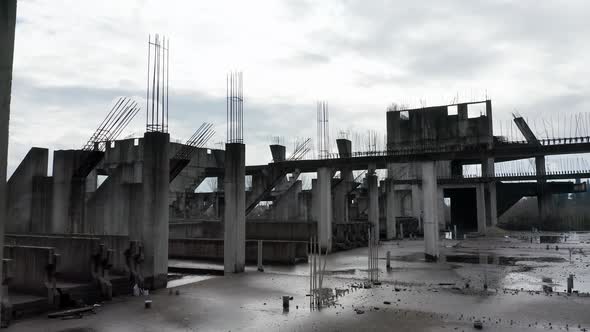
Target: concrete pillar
[[417, 205], [373, 211], [441, 207], [543, 194], [155, 224], [391, 210], [7, 24], [341, 202], [430, 201], [234, 244], [488, 170], [323, 206], [315, 198], [341, 198], [481, 208]]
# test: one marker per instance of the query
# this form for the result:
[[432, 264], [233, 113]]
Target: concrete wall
[[21, 190], [42, 204], [33, 269], [193, 174], [75, 252], [69, 191], [286, 252], [286, 206], [114, 204], [433, 126], [255, 230]]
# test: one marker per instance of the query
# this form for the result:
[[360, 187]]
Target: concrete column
[[323, 204], [373, 211], [7, 24], [391, 210], [488, 170], [441, 207], [481, 208], [234, 244], [417, 204], [155, 224], [341, 202], [315, 199], [430, 200], [543, 195]]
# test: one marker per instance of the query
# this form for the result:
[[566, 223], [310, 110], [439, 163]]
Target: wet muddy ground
[[502, 282]]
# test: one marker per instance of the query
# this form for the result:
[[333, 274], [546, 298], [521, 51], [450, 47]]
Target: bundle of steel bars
[[372, 257], [234, 107], [323, 129], [157, 84], [198, 140], [301, 149], [120, 115], [317, 266]]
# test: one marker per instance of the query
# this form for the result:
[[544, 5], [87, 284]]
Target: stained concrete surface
[[422, 296]]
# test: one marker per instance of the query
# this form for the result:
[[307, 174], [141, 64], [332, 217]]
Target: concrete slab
[[420, 296]]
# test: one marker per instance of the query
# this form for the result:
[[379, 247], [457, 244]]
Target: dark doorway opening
[[463, 208]]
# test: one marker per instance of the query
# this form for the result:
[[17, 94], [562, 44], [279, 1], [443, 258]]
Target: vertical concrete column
[[341, 202], [341, 206], [234, 244], [373, 212], [391, 210], [481, 208], [155, 224], [543, 196], [323, 204], [7, 25], [314, 204], [430, 201], [417, 204], [441, 206], [488, 170]]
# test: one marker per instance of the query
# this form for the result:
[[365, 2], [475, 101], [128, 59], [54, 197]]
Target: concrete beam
[[7, 28]]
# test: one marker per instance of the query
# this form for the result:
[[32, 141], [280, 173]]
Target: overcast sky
[[74, 57]]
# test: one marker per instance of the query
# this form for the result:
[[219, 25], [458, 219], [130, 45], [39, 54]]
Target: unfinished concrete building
[[112, 214]]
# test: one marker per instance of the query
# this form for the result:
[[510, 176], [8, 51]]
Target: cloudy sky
[[74, 57]]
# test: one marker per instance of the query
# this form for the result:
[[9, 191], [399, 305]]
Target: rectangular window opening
[[452, 110]]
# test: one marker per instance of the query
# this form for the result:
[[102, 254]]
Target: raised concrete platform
[[420, 296]]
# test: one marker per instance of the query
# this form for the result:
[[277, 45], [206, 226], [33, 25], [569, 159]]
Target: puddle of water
[[499, 260], [175, 280]]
